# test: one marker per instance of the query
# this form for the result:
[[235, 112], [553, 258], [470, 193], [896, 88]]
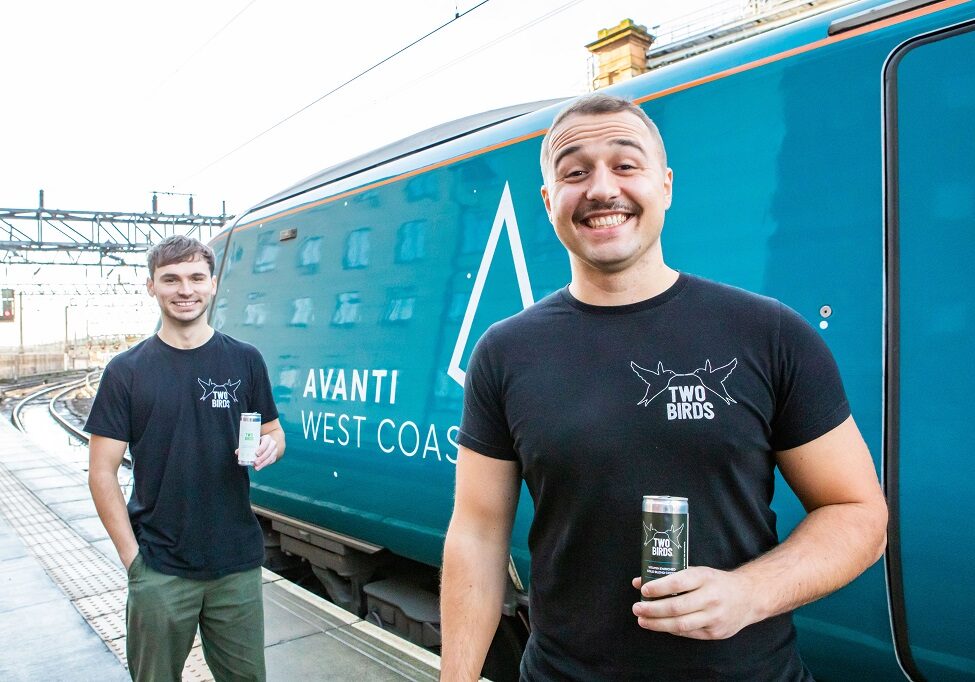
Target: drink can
[[664, 536], [250, 437]]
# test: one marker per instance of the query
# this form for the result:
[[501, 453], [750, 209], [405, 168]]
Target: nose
[[603, 184], [185, 288]]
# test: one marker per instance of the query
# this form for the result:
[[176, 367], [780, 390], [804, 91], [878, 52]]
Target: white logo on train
[[379, 386]]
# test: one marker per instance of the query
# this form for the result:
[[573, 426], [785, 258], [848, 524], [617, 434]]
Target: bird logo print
[[711, 379]]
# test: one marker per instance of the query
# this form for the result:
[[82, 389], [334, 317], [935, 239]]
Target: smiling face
[[606, 191], [184, 291]]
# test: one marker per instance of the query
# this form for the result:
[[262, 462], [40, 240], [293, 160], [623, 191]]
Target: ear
[[668, 187], [213, 285], [149, 287], [548, 203]]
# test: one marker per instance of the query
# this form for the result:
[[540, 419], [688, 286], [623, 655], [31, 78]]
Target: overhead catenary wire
[[457, 16], [477, 50], [204, 45]]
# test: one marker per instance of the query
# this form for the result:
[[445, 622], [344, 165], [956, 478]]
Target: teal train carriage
[[829, 163]]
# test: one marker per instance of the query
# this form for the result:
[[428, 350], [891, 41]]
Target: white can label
[[250, 437]]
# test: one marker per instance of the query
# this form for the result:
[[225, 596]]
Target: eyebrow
[[621, 141], [564, 153]]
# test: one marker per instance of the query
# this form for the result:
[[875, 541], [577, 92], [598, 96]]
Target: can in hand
[[250, 437], [664, 537]]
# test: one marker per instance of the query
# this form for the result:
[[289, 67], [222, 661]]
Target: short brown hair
[[600, 103], [178, 248]]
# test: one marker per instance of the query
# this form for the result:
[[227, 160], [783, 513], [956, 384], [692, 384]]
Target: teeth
[[608, 220]]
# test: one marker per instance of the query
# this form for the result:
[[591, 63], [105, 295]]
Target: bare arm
[[475, 561], [843, 533], [104, 458], [271, 447]]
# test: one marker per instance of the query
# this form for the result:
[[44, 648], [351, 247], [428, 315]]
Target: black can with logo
[[664, 536]]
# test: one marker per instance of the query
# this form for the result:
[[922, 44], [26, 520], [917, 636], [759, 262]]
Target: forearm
[[829, 548], [110, 505], [472, 591]]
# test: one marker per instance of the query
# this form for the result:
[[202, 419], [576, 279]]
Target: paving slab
[[58, 645], [74, 509], [46, 482], [90, 528], [67, 494]]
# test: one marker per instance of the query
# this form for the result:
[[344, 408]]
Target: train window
[[370, 199], [411, 241], [346, 309], [399, 305], [475, 226], [309, 255], [458, 305], [448, 392], [219, 314], [287, 379], [255, 314], [423, 186], [357, 249], [267, 252], [235, 256], [303, 312]]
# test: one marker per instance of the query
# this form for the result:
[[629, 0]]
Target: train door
[[929, 112]]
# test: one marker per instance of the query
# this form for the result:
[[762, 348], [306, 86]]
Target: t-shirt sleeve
[[810, 399], [110, 415], [261, 398], [484, 427]]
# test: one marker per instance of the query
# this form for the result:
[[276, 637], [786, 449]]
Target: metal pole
[[20, 316], [66, 356]]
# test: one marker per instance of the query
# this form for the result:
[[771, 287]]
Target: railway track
[[59, 390]]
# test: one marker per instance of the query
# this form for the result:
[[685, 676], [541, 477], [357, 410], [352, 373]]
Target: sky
[[109, 100]]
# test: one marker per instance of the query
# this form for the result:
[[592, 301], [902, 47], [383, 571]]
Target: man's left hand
[[698, 602], [267, 452]]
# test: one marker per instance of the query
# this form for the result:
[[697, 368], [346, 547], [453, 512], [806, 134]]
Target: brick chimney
[[621, 52]]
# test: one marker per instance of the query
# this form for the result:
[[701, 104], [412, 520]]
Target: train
[[828, 163]]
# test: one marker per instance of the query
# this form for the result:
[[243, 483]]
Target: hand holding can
[[249, 439]]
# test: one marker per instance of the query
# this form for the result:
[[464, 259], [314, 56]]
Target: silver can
[[664, 536]]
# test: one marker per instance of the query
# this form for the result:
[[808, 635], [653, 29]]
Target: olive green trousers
[[164, 611]]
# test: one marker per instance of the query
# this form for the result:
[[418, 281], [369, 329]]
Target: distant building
[[629, 49]]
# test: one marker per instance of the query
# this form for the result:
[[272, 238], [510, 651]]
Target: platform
[[62, 594]]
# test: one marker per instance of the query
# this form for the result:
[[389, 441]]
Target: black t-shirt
[[690, 394], [179, 411]]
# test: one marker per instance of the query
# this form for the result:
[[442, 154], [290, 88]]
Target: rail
[[64, 423], [22, 403]]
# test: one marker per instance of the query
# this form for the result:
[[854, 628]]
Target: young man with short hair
[[188, 538], [561, 396]]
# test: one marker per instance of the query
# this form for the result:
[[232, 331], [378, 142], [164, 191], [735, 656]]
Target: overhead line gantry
[[68, 237]]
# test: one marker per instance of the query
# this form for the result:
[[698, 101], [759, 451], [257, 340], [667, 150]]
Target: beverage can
[[250, 437], [664, 536]]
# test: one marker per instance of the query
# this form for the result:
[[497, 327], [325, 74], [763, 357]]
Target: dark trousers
[[162, 615]]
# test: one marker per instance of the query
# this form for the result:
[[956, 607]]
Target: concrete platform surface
[[63, 591]]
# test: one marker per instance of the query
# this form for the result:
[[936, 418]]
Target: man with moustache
[[560, 395], [188, 538]]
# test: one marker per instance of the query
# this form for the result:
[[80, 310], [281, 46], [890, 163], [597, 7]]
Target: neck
[[185, 338], [620, 288]]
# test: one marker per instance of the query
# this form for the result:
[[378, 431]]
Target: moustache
[[589, 207]]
